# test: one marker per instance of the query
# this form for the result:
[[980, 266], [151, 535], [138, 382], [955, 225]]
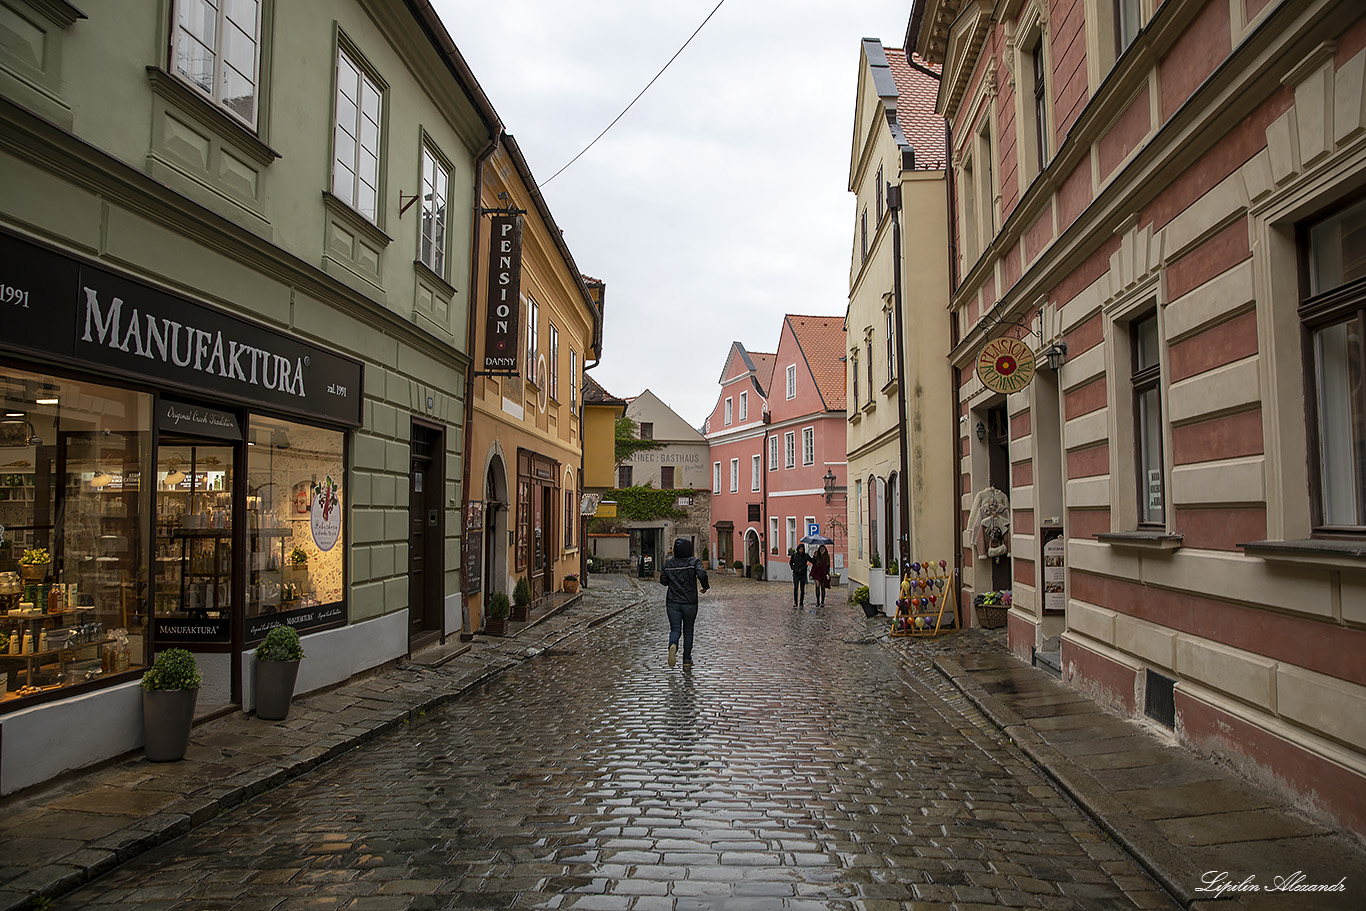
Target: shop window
[[1147, 386], [73, 457], [216, 49], [296, 560], [1334, 318]]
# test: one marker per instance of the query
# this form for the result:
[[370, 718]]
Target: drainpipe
[[894, 204], [476, 218], [601, 288]]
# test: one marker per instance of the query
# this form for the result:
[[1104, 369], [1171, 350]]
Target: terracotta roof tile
[[916, 94], [822, 341], [594, 394], [763, 368]]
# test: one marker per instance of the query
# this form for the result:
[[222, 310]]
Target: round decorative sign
[[1005, 365], [324, 514]]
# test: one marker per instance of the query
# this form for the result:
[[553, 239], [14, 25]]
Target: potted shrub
[[739, 566], [34, 564], [861, 597], [170, 688], [571, 583], [277, 669], [521, 599], [496, 619]]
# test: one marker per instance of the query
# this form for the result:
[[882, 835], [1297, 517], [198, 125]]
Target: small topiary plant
[[499, 608], [861, 595], [173, 669], [739, 564], [280, 644], [521, 593]]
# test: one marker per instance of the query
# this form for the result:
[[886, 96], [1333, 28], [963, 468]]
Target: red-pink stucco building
[[777, 448]]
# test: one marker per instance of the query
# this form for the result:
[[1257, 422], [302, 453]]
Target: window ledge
[[870, 406], [890, 387], [194, 103], [1143, 540], [855, 416], [1350, 554], [435, 278], [354, 220]]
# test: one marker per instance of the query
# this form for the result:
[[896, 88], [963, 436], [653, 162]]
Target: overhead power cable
[[637, 98]]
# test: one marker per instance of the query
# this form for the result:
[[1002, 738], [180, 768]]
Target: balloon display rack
[[928, 602]]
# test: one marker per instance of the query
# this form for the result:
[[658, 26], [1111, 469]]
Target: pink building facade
[[1167, 204], [777, 448]]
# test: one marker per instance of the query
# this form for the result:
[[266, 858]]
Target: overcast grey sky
[[720, 201]]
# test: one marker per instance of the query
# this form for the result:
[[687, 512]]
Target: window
[[624, 476], [533, 313], [789, 450], [806, 528], [791, 532], [987, 192], [1334, 315], [216, 44], [569, 513], [647, 430], [878, 189], [1147, 385], [666, 477], [754, 471], [872, 517], [744, 406], [869, 346], [890, 332], [573, 381], [808, 446], [1040, 106], [715, 477], [791, 381], [968, 183], [729, 410], [772, 453], [853, 374], [554, 366], [356, 142], [432, 243], [1127, 14], [863, 235], [858, 499], [773, 534], [734, 475]]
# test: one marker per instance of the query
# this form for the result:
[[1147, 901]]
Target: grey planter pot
[[167, 716], [275, 688]]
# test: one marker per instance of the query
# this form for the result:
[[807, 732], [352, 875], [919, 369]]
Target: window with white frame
[[432, 243], [809, 521], [754, 472], [791, 381], [1333, 316], [791, 533], [1034, 145], [356, 140], [868, 350], [216, 45], [772, 453], [808, 446], [853, 374], [790, 450], [744, 406], [889, 330], [1147, 389], [858, 499], [968, 215], [734, 475], [533, 317], [880, 191], [553, 367], [729, 410], [715, 477], [1128, 16], [773, 534], [573, 381], [986, 172], [863, 235]]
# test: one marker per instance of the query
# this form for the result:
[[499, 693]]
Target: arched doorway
[[495, 528], [753, 553]]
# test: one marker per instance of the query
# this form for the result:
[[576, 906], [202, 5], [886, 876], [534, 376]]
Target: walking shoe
[[673, 655], [687, 665]]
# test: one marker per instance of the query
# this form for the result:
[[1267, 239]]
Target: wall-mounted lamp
[[981, 432], [32, 439], [1055, 353], [829, 480], [175, 475]]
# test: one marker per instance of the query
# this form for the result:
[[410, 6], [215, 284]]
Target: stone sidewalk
[[1191, 823]]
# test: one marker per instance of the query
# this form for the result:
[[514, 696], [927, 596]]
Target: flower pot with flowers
[[34, 564], [170, 688]]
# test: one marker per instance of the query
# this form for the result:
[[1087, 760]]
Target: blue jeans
[[681, 620]]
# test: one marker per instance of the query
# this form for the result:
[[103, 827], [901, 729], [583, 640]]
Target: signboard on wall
[[1054, 570], [503, 304], [1005, 365]]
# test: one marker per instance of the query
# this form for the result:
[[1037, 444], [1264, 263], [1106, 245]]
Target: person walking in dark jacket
[[682, 573], [820, 573], [799, 561]]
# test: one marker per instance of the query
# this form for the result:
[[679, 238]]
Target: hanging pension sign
[[1005, 365], [504, 303]]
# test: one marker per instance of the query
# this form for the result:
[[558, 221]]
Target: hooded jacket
[[681, 573]]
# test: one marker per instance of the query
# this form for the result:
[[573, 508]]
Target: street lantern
[[829, 480]]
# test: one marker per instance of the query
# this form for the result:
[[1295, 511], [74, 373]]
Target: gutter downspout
[[601, 288], [957, 374], [894, 202], [476, 217]]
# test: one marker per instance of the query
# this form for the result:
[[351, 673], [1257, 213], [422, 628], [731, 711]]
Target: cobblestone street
[[798, 765]]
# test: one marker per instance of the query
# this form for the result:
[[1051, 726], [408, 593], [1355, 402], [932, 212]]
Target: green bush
[[875, 561], [645, 503], [173, 669], [521, 594], [499, 608], [739, 564], [861, 595], [280, 644]]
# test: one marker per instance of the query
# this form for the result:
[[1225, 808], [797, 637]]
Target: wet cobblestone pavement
[[802, 764]]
